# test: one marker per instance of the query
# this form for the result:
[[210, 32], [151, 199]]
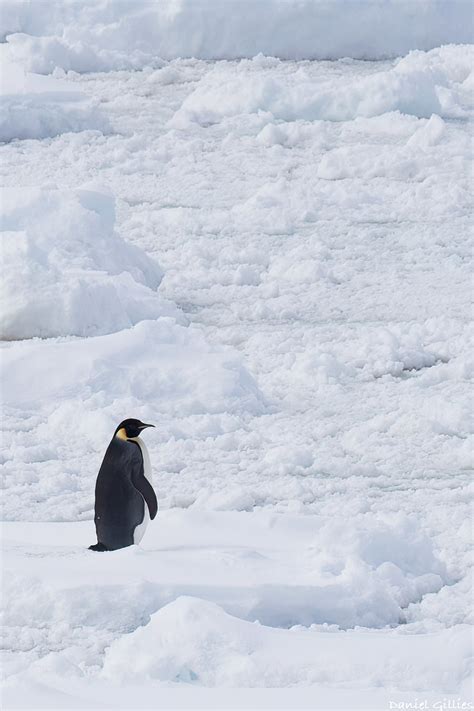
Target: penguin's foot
[[98, 547]]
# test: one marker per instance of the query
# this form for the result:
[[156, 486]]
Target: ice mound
[[421, 84], [160, 365], [91, 36], [195, 641], [66, 271], [34, 106]]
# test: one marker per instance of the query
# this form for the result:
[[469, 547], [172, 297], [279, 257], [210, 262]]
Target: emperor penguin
[[124, 496]]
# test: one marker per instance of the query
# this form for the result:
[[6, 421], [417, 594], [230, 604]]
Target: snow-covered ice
[[270, 261], [203, 600], [130, 34], [421, 84], [67, 272], [35, 106]]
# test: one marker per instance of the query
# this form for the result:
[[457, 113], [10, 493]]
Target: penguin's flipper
[[139, 480], [141, 483], [98, 547]]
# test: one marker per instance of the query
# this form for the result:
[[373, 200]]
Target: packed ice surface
[[34, 106], [130, 34], [312, 455]]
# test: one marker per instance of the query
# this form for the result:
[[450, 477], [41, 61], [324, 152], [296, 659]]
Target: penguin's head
[[128, 429]]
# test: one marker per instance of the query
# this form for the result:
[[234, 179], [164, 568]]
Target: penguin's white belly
[[139, 531]]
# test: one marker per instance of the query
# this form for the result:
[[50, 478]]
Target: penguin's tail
[[98, 547]]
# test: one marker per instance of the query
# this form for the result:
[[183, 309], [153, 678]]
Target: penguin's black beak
[[143, 426]]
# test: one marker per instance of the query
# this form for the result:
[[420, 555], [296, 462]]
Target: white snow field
[[270, 261]]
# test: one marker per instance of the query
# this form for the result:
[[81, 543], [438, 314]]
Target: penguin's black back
[[119, 506]]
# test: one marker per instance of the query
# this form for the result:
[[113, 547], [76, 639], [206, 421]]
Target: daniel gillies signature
[[425, 705]]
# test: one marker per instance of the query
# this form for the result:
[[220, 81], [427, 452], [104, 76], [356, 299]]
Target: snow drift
[[66, 271], [157, 364], [192, 640], [279, 570], [34, 106], [421, 84], [90, 36], [218, 599]]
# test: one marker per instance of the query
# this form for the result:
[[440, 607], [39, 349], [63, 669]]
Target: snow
[[420, 85], [282, 570], [67, 397], [118, 34], [281, 251], [34, 106], [220, 650], [66, 271], [278, 582]]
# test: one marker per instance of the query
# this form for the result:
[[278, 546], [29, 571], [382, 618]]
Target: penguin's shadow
[[246, 551]]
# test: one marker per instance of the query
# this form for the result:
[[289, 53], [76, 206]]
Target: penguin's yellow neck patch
[[121, 434]]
